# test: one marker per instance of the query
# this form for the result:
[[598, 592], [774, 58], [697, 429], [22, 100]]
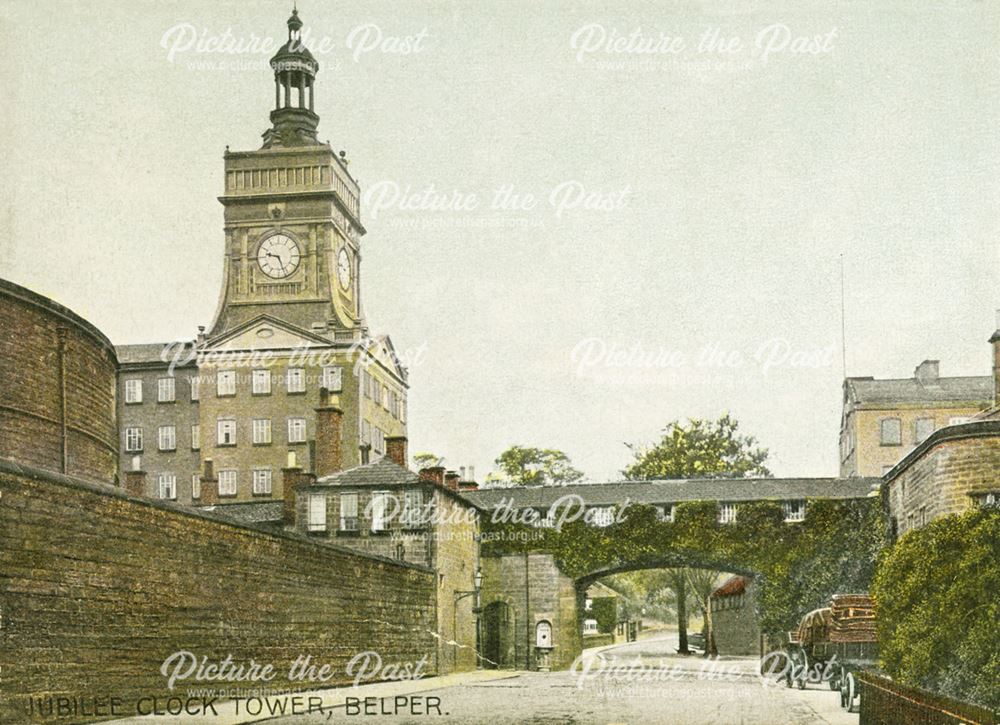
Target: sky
[[584, 219]]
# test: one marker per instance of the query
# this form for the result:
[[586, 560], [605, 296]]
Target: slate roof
[[974, 389], [733, 585], [674, 491], [382, 472], [145, 353], [252, 513]]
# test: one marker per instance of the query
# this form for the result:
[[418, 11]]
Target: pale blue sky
[[739, 184]]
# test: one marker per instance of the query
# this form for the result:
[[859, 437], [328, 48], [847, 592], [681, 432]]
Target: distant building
[[883, 420], [735, 627]]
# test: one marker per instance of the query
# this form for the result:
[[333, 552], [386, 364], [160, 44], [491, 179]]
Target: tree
[[425, 460], [702, 583], [936, 592], [699, 449], [536, 467]]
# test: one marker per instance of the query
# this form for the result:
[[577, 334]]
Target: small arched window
[[543, 634]]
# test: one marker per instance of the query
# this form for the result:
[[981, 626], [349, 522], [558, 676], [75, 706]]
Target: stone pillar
[[451, 480], [395, 450], [209, 484], [329, 444], [995, 341], [433, 474]]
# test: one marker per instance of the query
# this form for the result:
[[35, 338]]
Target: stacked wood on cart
[[831, 644]]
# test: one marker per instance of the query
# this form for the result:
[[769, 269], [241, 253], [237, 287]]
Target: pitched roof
[[383, 472], [251, 513], [973, 389], [143, 353], [677, 490], [733, 585]]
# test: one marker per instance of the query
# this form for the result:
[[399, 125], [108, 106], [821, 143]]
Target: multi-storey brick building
[[289, 322], [883, 420]]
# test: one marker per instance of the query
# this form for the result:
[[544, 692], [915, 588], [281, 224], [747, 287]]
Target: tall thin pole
[[843, 323]]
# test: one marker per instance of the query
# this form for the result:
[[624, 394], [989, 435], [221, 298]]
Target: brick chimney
[[927, 372], [395, 450], [209, 484], [451, 480], [291, 476], [135, 479], [433, 474], [329, 445]]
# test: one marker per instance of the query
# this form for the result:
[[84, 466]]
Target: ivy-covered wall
[[797, 566]]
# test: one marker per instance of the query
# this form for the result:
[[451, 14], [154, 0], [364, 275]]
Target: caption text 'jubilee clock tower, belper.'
[[289, 322]]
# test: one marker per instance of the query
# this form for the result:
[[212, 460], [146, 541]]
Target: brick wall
[[36, 386], [98, 588], [941, 476]]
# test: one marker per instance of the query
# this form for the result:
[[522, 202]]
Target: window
[[378, 440], [892, 433], [260, 381], [165, 390], [133, 391], [167, 438], [991, 498], [226, 433], [195, 437], [168, 485], [727, 513], [332, 378], [604, 516], [413, 504], [348, 512], [261, 431], [296, 430], [666, 513], [225, 383], [195, 388], [385, 397], [794, 510], [378, 506], [296, 380], [317, 512], [402, 410], [923, 428], [366, 432], [195, 485], [366, 384], [262, 481], [227, 483], [401, 551], [547, 518], [133, 440], [958, 419]]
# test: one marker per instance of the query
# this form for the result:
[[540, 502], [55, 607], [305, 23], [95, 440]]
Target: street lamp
[[477, 583]]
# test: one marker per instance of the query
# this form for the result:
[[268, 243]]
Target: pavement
[[642, 682]]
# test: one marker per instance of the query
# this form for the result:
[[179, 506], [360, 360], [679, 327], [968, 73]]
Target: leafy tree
[[938, 609], [605, 610], [425, 460], [536, 467], [699, 449]]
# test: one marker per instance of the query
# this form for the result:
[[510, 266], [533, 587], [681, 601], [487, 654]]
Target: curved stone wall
[[57, 388]]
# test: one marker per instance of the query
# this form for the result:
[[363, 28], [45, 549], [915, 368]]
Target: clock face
[[278, 256], [344, 269]]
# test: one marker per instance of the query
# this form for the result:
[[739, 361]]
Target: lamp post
[[477, 583]]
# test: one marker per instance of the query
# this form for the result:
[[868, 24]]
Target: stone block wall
[[99, 588]]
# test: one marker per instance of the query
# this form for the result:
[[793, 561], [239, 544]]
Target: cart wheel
[[801, 664], [852, 691]]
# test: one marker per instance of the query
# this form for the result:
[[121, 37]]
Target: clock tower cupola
[[292, 216]]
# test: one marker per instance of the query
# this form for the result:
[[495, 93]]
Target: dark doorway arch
[[498, 636]]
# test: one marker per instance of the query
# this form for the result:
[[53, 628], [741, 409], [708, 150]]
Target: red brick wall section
[[98, 588], [31, 398]]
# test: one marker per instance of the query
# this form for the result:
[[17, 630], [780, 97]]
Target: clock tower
[[292, 217]]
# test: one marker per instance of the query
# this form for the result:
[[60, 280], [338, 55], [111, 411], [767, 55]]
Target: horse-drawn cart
[[833, 643]]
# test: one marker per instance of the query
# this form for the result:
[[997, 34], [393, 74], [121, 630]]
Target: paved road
[[642, 682]]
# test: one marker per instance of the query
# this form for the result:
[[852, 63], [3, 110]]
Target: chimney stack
[[209, 484], [135, 480], [995, 341], [433, 474], [395, 450], [329, 446], [291, 476], [451, 480], [927, 371]]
